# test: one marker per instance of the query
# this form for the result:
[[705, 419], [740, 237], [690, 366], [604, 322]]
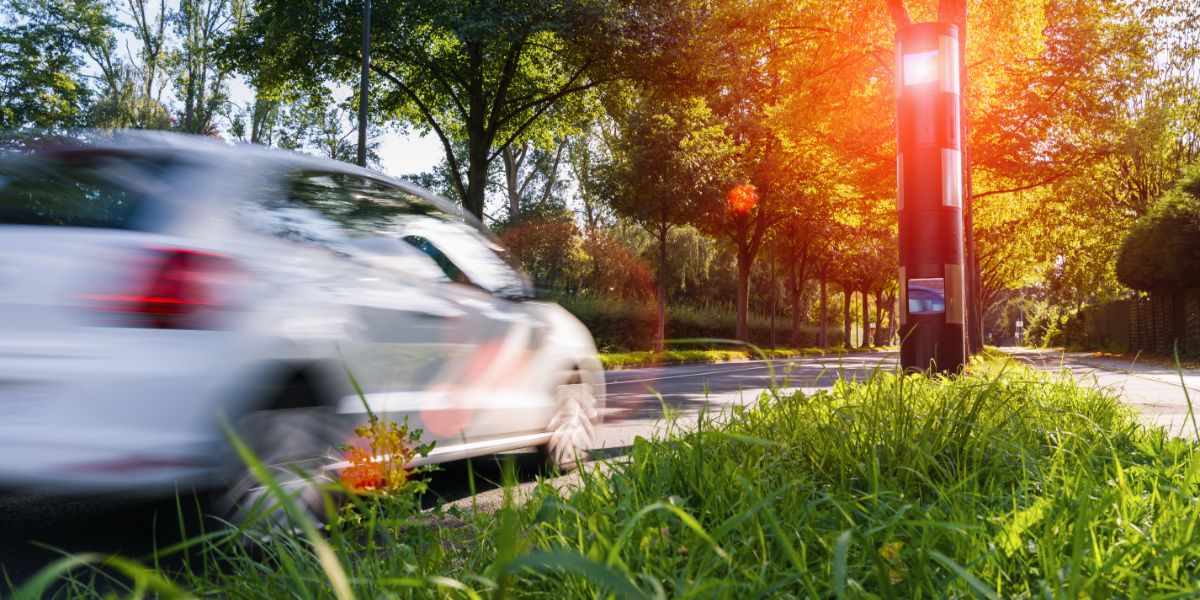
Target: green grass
[[1002, 483], [647, 357]]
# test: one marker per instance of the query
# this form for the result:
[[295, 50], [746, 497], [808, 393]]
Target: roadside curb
[[718, 361]]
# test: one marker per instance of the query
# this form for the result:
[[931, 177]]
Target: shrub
[[547, 249], [622, 325], [613, 270], [1162, 249]]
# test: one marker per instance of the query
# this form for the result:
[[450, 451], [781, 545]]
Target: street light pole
[[362, 85]]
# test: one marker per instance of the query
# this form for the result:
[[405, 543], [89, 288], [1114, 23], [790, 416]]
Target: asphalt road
[[30, 523]]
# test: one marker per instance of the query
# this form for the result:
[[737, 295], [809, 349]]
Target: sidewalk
[[1155, 390], [1169, 375]]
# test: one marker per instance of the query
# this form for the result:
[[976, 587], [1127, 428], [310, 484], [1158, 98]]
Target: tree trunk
[[771, 264], [878, 338], [847, 341], [743, 297], [661, 325], [512, 166], [891, 331], [866, 320], [794, 299], [479, 143], [823, 330]]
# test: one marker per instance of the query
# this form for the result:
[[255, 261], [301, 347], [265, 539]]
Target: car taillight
[[168, 288]]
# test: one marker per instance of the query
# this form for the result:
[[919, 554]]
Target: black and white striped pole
[[929, 196]]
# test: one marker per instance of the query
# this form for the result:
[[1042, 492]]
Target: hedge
[[621, 325]]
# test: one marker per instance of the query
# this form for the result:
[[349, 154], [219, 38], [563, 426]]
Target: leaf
[[580, 565]]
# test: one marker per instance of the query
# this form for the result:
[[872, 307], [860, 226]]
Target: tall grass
[[1005, 483]]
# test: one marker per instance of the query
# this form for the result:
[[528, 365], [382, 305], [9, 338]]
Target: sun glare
[[742, 198], [920, 67]]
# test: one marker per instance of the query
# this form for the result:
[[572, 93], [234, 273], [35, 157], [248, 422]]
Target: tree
[[123, 105], [525, 164], [200, 80], [43, 45], [488, 74], [672, 156]]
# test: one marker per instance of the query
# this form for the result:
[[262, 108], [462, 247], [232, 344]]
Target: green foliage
[[1004, 483], [42, 79], [124, 105], [479, 76], [621, 325], [1162, 249], [674, 156], [615, 324], [203, 27]]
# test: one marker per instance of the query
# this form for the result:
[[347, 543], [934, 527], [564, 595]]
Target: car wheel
[[573, 428], [296, 446]]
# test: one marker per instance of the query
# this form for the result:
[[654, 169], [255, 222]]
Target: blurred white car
[[151, 284]]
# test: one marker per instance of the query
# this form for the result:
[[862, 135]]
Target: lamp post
[[362, 85], [929, 197]]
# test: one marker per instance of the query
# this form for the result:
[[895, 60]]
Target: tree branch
[[548, 102], [506, 77], [563, 90], [1022, 188], [898, 13], [455, 175]]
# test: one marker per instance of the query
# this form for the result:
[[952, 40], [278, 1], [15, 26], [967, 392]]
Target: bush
[[623, 325], [617, 325], [1162, 249], [1064, 329], [547, 249]]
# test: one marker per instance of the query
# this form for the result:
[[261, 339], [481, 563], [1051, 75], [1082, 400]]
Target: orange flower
[[363, 474], [383, 466]]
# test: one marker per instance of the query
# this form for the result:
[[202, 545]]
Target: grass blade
[[974, 582], [580, 565]]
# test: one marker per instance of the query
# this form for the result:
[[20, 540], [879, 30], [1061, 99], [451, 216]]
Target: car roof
[[216, 149]]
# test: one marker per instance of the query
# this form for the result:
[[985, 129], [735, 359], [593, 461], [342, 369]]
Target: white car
[[153, 284]]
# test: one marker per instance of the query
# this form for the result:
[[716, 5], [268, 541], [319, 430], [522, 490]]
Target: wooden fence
[[1152, 323]]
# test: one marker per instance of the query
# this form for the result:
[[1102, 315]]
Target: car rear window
[[77, 189]]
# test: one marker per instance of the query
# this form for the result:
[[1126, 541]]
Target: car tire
[[296, 445], [573, 428]]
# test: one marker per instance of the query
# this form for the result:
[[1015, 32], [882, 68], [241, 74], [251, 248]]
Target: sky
[[401, 153]]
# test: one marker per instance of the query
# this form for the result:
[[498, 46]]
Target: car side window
[[451, 270], [332, 209], [468, 252]]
